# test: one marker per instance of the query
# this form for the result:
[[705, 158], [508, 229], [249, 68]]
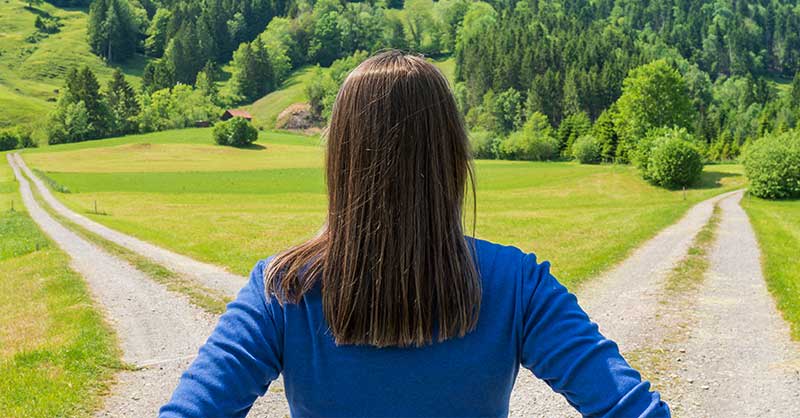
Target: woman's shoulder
[[496, 256]]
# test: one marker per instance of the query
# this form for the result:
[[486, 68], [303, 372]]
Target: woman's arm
[[237, 363], [561, 346]]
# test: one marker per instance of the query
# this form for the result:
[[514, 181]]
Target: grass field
[[777, 226], [234, 206], [56, 353], [31, 72]]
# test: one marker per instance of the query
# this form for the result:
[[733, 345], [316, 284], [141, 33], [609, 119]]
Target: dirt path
[[159, 331], [623, 302], [208, 275], [739, 354]]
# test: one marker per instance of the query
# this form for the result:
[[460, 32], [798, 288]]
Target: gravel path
[[211, 276], [623, 302], [739, 354], [159, 331]]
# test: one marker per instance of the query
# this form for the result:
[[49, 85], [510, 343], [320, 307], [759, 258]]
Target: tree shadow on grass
[[713, 179], [252, 147]]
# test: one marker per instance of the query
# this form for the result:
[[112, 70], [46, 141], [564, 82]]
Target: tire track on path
[[739, 354], [159, 331]]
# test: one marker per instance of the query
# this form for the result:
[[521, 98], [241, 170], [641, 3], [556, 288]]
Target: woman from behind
[[390, 310]]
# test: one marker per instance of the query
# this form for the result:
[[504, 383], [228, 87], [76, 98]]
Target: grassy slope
[[266, 109], [777, 226], [30, 73], [56, 353], [232, 207]]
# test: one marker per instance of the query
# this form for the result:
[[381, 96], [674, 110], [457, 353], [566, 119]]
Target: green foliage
[[324, 85], [675, 163], [772, 165], [8, 140], [253, 74], [534, 142], [571, 128], [654, 95], [179, 107], [47, 24], [484, 144], [669, 157], [122, 104], [587, 150], [605, 132], [81, 112], [236, 132], [16, 138], [113, 32], [724, 148], [69, 123], [157, 32]]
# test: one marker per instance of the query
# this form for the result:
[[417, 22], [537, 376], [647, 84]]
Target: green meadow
[[32, 72], [777, 226], [233, 206], [57, 355]]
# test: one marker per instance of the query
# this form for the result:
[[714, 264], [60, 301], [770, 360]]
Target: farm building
[[233, 113]]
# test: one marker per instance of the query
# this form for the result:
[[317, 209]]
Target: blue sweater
[[527, 318]]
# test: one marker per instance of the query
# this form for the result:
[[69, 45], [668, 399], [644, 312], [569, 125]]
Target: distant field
[[777, 225], [56, 353], [232, 207], [30, 73]]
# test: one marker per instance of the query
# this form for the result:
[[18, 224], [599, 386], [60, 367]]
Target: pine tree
[[122, 104], [112, 32]]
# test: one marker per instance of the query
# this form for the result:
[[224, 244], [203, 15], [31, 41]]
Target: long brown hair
[[395, 266]]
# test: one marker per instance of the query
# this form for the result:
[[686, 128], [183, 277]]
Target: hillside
[[31, 71]]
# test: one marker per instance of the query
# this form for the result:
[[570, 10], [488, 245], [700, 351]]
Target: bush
[[520, 146], [675, 163], [535, 141], [772, 164], [586, 150], [8, 140], [483, 144], [236, 132], [25, 139]]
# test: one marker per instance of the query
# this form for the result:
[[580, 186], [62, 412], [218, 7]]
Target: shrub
[[674, 163], [772, 164], [586, 150], [519, 146], [483, 144], [25, 139], [237, 132], [8, 140], [535, 141]]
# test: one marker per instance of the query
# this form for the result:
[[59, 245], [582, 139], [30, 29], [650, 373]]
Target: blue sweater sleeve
[[561, 346], [239, 360]]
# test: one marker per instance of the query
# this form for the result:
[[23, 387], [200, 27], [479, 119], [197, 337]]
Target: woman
[[390, 310]]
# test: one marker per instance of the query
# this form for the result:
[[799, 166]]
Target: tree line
[[263, 40], [569, 62], [85, 110]]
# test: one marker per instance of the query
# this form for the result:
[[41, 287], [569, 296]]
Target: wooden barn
[[234, 113]]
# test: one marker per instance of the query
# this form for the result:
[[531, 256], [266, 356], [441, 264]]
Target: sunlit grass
[[232, 207], [777, 226], [57, 356]]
